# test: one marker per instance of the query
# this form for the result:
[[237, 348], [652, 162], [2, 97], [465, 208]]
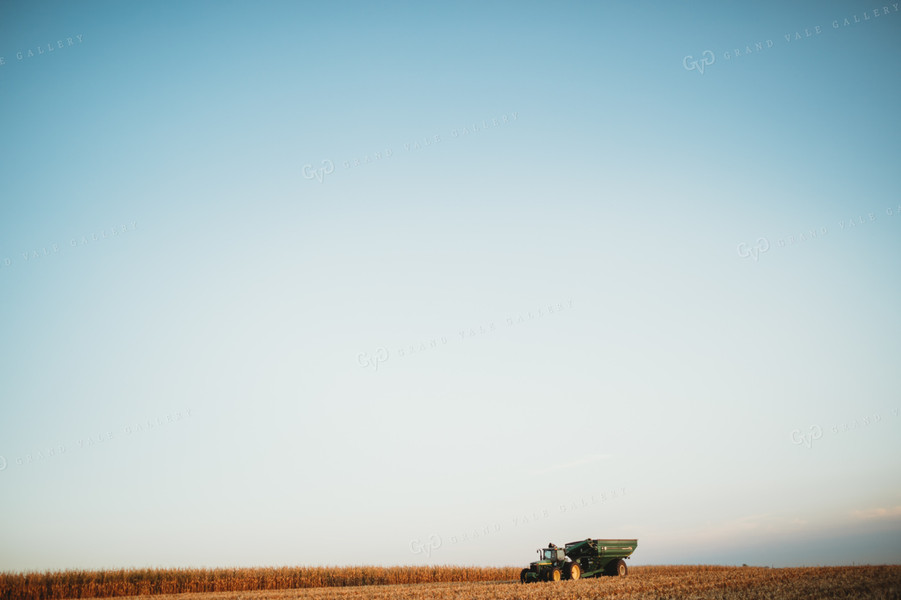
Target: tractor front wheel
[[556, 574], [523, 574]]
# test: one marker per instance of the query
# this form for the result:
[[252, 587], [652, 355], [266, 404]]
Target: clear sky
[[437, 283]]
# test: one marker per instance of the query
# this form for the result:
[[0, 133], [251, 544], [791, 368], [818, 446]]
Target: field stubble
[[643, 583]]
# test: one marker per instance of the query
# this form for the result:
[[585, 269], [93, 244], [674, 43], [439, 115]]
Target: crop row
[[57, 585]]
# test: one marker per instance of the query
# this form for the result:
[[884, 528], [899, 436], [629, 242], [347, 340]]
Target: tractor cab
[[553, 554]]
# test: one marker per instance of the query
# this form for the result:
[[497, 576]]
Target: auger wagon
[[585, 558]]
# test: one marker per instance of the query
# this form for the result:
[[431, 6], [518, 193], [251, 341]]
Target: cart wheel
[[574, 572], [621, 569], [556, 574]]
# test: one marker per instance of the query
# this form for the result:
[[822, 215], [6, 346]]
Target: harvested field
[[643, 583]]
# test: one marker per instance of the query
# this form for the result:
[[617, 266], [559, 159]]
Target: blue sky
[[250, 314]]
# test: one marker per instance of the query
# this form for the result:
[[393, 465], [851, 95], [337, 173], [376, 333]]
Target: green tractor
[[586, 558]]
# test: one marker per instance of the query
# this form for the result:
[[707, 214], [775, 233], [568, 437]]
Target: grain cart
[[585, 558]]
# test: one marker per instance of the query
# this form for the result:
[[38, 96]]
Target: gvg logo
[[761, 246], [707, 59], [420, 547], [327, 168], [815, 432], [808, 438], [365, 360]]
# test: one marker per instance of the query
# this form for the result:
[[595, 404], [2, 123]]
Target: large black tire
[[573, 571], [522, 575], [616, 568]]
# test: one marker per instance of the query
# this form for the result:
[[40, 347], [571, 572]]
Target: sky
[[348, 283]]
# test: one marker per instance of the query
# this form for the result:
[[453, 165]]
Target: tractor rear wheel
[[573, 571]]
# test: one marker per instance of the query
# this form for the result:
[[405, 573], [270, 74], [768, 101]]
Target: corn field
[[452, 583], [58, 585]]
